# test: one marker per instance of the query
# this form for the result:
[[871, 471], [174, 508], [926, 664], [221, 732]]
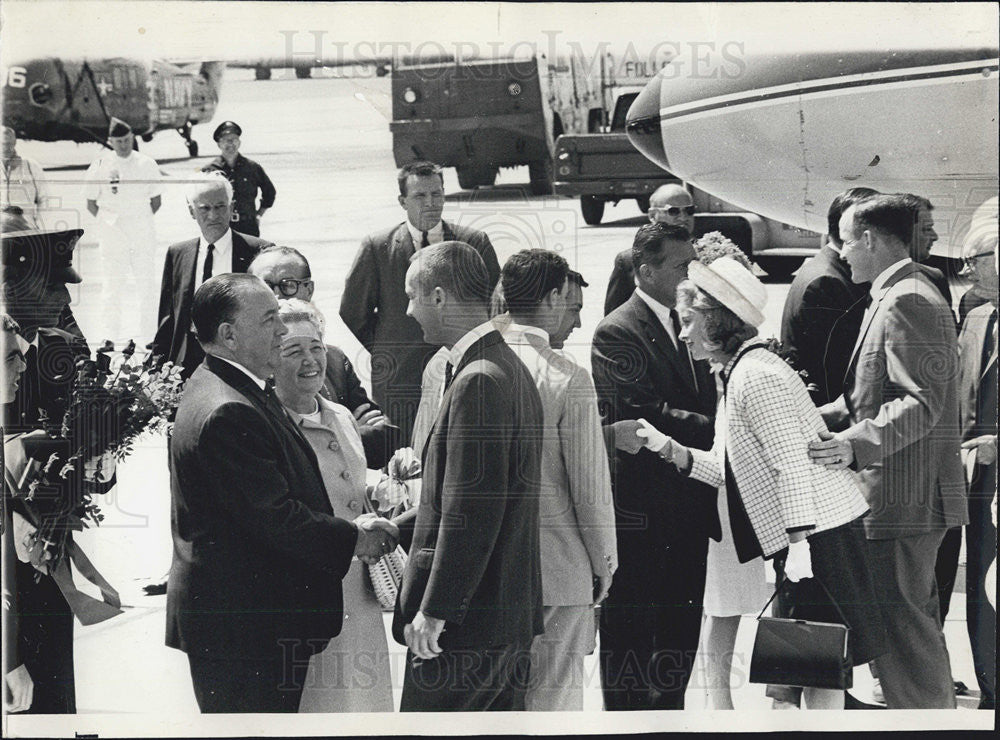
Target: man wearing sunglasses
[[217, 250], [286, 272], [669, 204]]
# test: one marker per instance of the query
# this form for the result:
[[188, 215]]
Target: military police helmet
[[227, 127]]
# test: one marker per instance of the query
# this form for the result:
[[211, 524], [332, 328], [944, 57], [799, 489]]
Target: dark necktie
[[424, 241], [989, 343], [682, 349], [449, 374], [206, 273]]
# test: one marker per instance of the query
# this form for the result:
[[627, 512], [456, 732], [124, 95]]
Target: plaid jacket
[[766, 420]]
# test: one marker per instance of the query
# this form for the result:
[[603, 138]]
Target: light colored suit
[[970, 351], [900, 413], [900, 410], [577, 517]]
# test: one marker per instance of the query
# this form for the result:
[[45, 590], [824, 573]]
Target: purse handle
[[784, 579]]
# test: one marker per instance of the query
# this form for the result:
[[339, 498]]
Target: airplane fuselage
[[792, 130]]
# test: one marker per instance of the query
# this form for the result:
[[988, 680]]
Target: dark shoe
[[990, 704], [155, 589], [961, 689], [850, 702]]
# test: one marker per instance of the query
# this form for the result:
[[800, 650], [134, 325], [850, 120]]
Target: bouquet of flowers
[[399, 487], [110, 404]]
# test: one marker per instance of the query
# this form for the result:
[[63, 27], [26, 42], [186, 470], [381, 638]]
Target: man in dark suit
[[470, 603], [651, 620], [286, 271], [897, 424], [254, 588], [823, 309], [374, 305], [218, 250], [669, 204]]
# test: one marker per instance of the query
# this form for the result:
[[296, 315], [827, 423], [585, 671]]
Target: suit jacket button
[[333, 445], [353, 505], [346, 475]]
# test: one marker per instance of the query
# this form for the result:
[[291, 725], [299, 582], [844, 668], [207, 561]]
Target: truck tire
[[469, 178], [779, 268], [592, 208], [262, 73], [540, 176], [643, 202]]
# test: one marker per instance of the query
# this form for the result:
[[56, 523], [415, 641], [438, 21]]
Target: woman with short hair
[[779, 501], [352, 673]]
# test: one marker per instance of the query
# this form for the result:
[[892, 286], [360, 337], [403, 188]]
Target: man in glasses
[[669, 204], [286, 272], [218, 249]]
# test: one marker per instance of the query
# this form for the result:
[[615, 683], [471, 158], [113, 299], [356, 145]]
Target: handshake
[[377, 536]]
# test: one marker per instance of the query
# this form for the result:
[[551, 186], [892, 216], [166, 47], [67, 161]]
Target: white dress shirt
[[260, 383], [460, 347], [434, 235], [222, 256], [663, 313]]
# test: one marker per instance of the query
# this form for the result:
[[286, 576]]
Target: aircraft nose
[[643, 123]]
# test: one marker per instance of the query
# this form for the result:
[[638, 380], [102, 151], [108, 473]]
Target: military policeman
[[246, 176]]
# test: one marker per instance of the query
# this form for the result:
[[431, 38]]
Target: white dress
[[732, 588]]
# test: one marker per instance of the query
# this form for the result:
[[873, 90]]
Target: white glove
[[655, 439], [798, 565]]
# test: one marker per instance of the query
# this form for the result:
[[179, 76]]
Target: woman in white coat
[[779, 501]]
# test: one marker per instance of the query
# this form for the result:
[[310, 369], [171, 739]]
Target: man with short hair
[[470, 602], [923, 239], [822, 312], [578, 551], [669, 204], [373, 305], [245, 175], [254, 588], [571, 316], [977, 345], [23, 180], [897, 425], [123, 190], [188, 264], [651, 621], [286, 272]]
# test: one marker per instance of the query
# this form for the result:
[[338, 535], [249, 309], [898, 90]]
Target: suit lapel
[[270, 406], [866, 322], [243, 254], [657, 335]]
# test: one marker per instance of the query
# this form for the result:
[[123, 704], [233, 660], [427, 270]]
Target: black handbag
[[796, 652]]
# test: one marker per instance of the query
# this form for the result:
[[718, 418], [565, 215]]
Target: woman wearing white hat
[[778, 500]]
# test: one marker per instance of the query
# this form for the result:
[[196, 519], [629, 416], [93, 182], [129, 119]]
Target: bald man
[[669, 204]]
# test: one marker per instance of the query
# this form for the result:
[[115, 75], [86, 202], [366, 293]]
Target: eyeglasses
[[288, 286], [676, 210], [970, 262]]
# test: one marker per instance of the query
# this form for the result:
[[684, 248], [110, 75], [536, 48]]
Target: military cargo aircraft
[[53, 99]]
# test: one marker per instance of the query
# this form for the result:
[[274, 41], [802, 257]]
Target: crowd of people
[[658, 487]]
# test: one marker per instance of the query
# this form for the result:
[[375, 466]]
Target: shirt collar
[[878, 284], [260, 383], [462, 345], [663, 313], [223, 246], [298, 418], [515, 332], [434, 235]]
